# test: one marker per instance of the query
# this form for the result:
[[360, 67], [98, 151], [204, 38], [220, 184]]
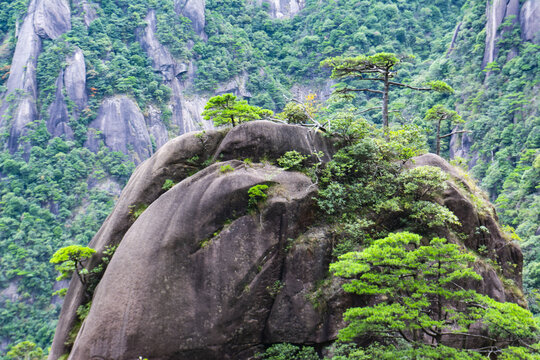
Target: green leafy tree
[[381, 68], [71, 259], [25, 350], [421, 297], [227, 109], [438, 114]]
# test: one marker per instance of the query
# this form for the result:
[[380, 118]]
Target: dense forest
[[55, 191]]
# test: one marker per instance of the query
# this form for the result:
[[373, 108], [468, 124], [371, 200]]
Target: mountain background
[[89, 89]]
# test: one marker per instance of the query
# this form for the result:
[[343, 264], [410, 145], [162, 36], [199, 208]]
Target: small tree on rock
[[382, 68], [438, 114], [227, 109], [70, 259]]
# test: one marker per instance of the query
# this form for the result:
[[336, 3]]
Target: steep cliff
[[525, 14], [283, 8], [203, 275]]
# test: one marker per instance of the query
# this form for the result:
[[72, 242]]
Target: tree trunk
[[385, 102], [439, 137]]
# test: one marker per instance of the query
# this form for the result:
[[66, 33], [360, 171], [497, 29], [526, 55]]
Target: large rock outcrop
[[44, 19], [120, 125], [186, 112], [529, 19], [71, 82], [496, 12], [525, 14], [52, 18], [193, 10], [201, 274]]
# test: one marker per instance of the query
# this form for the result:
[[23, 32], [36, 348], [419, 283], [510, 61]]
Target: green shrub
[[226, 168], [291, 160], [168, 184], [257, 194]]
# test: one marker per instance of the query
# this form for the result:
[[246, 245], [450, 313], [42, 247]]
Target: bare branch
[[409, 86], [454, 132], [345, 90]]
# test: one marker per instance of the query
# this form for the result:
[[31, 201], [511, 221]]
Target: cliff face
[[283, 8], [203, 275], [526, 14]]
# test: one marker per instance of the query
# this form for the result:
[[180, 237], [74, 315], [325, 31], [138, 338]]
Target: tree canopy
[[381, 67], [422, 297], [70, 259], [438, 114], [227, 109]]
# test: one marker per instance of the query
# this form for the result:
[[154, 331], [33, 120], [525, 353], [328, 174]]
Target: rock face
[[186, 112], [72, 82], [121, 126], [19, 103], [529, 19], [284, 8], [481, 230], [496, 12], [44, 19], [193, 10], [525, 13], [203, 275], [52, 18]]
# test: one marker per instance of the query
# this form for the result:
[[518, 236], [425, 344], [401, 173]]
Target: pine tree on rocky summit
[[381, 67], [226, 109]]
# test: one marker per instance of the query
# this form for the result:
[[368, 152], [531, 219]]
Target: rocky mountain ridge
[[200, 276]]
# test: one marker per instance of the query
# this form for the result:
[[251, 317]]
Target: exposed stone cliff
[[201, 276], [525, 13], [283, 8]]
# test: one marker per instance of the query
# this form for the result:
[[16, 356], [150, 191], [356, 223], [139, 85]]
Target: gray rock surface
[[284, 8], [529, 19], [186, 112], [52, 18], [19, 103], [162, 60], [58, 122], [45, 18], [228, 278], [75, 80], [121, 126], [193, 10], [259, 139], [496, 12], [460, 145], [86, 9], [172, 161]]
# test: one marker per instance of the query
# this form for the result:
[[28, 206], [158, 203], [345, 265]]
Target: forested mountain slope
[[88, 88]]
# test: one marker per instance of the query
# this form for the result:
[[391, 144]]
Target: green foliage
[[26, 350], [226, 168], [365, 190], [288, 352], [42, 196], [168, 184], [294, 113], [227, 110], [291, 160], [380, 67], [137, 210], [419, 296], [70, 259], [257, 194]]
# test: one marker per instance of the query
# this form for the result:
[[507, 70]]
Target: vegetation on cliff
[[48, 188]]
